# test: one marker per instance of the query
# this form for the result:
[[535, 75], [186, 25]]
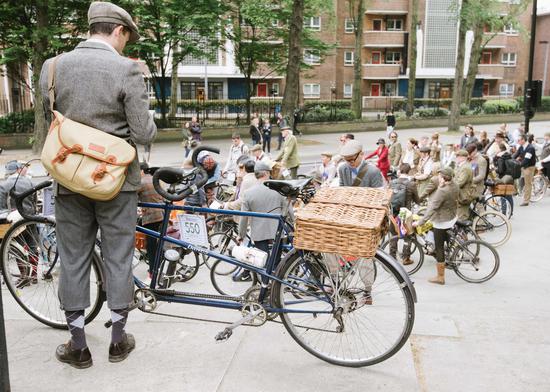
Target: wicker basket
[[346, 220], [3, 229], [504, 190]]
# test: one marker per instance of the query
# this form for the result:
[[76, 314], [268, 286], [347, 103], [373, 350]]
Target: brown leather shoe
[[80, 359], [408, 262], [119, 351]]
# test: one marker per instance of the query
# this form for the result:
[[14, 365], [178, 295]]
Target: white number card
[[193, 229]]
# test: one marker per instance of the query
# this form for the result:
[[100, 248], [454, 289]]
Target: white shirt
[[409, 157], [234, 153]]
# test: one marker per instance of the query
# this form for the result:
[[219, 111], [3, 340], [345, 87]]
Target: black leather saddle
[[288, 188]]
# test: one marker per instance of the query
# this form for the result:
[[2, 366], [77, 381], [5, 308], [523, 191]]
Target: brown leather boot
[[440, 278]]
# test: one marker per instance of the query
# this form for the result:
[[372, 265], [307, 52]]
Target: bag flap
[[94, 143]]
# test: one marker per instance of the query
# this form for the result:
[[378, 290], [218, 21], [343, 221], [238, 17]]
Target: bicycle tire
[[500, 204], [182, 270], [492, 227], [416, 248], [221, 242], [463, 260], [224, 282], [16, 251], [315, 292], [540, 184]]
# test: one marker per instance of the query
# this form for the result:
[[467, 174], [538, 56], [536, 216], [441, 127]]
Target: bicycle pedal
[[224, 335]]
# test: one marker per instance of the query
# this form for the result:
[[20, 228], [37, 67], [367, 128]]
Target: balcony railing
[[389, 7], [498, 41], [490, 71], [384, 39], [381, 71]]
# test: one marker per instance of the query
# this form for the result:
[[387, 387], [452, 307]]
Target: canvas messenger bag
[[83, 159]]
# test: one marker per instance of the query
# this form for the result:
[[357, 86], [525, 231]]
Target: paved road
[[467, 337]]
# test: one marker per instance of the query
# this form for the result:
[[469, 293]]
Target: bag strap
[[359, 179], [51, 82]]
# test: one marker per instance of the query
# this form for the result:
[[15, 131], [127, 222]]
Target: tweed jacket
[[372, 179], [395, 154], [442, 206], [463, 179], [22, 184], [479, 174], [99, 88], [289, 154], [260, 198]]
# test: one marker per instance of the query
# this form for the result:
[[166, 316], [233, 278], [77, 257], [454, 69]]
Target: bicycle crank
[[254, 315]]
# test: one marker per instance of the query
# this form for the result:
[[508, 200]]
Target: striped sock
[[118, 318], [75, 321]]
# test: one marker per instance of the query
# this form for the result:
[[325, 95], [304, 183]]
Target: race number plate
[[193, 230]]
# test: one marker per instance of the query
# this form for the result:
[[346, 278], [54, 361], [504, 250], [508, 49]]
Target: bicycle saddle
[[464, 223], [289, 188]]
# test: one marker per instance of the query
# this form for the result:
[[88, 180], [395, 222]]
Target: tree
[[357, 13], [33, 31], [412, 59]]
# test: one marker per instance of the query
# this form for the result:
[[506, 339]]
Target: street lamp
[[332, 102], [545, 65]]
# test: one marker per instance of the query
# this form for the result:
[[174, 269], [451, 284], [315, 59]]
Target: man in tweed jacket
[[96, 86]]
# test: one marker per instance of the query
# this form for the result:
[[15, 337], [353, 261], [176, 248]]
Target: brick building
[[541, 69]]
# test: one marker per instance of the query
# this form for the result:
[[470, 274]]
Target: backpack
[[513, 168], [399, 195]]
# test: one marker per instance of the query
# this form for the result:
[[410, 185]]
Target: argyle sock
[[118, 317], [75, 321]]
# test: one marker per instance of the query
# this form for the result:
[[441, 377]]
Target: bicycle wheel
[[31, 267], [179, 271], [416, 254], [539, 187], [221, 242], [341, 313], [475, 261], [492, 227], [228, 279], [499, 204]]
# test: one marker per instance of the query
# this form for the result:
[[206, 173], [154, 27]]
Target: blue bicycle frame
[[265, 273]]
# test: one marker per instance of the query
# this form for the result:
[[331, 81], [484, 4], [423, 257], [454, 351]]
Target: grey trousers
[[78, 219]]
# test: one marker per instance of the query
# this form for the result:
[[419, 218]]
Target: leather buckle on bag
[[100, 172], [64, 152]]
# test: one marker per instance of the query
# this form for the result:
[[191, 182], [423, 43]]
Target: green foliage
[[435, 112], [324, 114], [339, 103], [19, 122], [501, 106]]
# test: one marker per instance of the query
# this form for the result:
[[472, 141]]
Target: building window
[[394, 25], [189, 90], [348, 90], [506, 89], [312, 90], [312, 56], [486, 58], [274, 22], [349, 25], [509, 59], [348, 58], [393, 57], [509, 29], [390, 89], [377, 24], [313, 23]]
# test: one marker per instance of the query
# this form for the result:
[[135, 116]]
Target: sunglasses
[[352, 159]]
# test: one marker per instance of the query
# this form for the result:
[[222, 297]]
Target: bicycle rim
[[492, 227], [475, 261], [221, 242], [539, 188], [416, 254], [227, 279], [377, 313], [31, 268], [499, 204]]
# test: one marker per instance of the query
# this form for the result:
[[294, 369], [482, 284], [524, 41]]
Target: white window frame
[[313, 23], [394, 84], [510, 30], [275, 87], [311, 90], [312, 56], [348, 61], [506, 89], [394, 21], [275, 23], [393, 61], [348, 90], [508, 60], [349, 25]]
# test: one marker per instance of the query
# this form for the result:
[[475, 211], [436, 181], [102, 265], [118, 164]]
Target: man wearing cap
[[96, 86], [355, 171], [260, 198], [463, 179], [248, 181], [259, 154], [326, 171], [382, 152], [289, 155], [16, 172], [395, 150], [480, 168], [425, 167], [237, 149], [494, 147]]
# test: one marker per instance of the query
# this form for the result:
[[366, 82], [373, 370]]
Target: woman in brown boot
[[441, 211]]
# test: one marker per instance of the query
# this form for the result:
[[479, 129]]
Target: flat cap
[[12, 166], [285, 128], [425, 149], [327, 154], [447, 172], [256, 147], [261, 166], [462, 153], [102, 11], [352, 147], [381, 141]]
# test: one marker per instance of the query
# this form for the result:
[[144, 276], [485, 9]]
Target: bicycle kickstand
[[228, 331]]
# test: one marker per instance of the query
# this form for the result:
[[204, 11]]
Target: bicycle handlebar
[[19, 197], [174, 176]]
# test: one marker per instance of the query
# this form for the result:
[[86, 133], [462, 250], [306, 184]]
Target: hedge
[[19, 122], [321, 113], [501, 106]]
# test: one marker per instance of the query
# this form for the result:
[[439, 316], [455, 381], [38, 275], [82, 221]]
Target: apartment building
[[541, 68]]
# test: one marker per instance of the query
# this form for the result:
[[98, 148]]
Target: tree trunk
[[356, 100], [454, 117], [291, 96], [412, 60], [174, 87], [248, 80], [40, 50], [475, 56]]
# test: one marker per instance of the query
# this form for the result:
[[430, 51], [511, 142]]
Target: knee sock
[[118, 318], [75, 321]]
